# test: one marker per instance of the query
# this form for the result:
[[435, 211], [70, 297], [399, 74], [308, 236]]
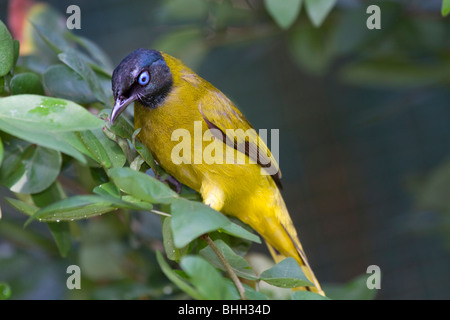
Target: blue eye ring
[[144, 78]]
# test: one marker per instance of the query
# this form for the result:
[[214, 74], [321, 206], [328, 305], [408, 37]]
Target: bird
[[169, 96]]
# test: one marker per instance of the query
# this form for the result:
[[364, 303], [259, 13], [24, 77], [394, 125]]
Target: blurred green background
[[364, 120]]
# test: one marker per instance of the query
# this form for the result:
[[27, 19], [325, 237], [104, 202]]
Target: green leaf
[[73, 208], [102, 149], [22, 206], [6, 49], [394, 71], [122, 142], [5, 290], [46, 121], [318, 10], [130, 202], [107, 189], [53, 193], [311, 48], [16, 45], [28, 168], [307, 295], [50, 32], [239, 245], [445, 8], [26, 82], [250, 293], [72, 59], [286, 274], [50, 26], [191, 219], [123, 126], [61, 233], [125, 202], [238, 263], [284, 12], [94, 51], [356, 289], [3, 91], [46, 114], [172, 252], [205, 278], [2, 151], [142, 186], [238, 231], [60, 230], [62, 82], [146, 155], [176, 279], [73, 141], [49, 140]]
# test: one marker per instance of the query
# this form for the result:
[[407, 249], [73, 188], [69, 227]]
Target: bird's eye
[[144, 78]]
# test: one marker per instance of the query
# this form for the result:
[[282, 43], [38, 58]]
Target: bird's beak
[[119, 107]]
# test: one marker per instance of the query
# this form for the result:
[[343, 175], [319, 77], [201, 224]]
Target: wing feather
[[234, 129]]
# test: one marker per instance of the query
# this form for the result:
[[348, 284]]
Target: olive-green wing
[[233, 129]]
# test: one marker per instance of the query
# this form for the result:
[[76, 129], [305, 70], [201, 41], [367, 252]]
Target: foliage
[[431, 214], [93, 186], [64, 163], [329, 40], [5, 291], [317, 35], [445, 7]]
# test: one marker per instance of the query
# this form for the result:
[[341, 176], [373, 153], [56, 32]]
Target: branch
[[225, 263]]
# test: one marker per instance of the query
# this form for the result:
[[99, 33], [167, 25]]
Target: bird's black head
[[142, 76]]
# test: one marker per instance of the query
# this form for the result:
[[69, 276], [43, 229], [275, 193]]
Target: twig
[[225, 263], [160, 213]]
